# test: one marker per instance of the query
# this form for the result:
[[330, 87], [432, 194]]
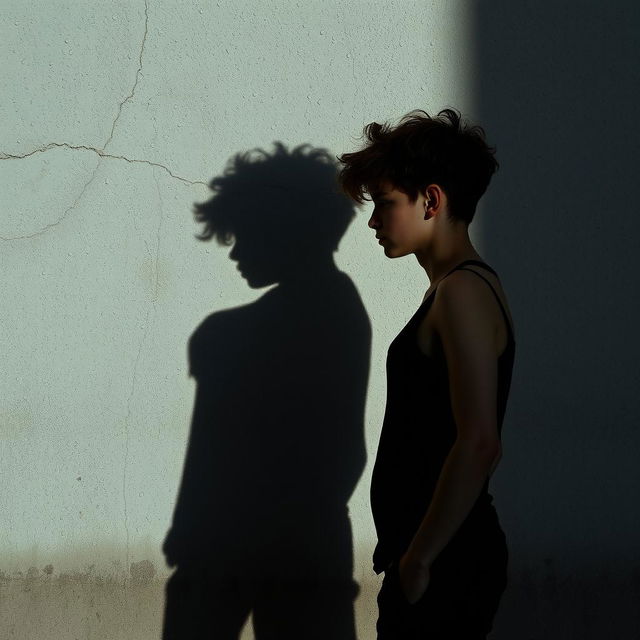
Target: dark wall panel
[[558, 86]]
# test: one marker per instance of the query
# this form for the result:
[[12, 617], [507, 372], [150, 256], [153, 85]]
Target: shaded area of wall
[[557, 85]]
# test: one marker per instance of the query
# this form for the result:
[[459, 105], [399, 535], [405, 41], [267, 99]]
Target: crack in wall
[[126, 445], [135, 84], [100, 152], [113, 126], [158, 233], [151, 313], [65, 213]]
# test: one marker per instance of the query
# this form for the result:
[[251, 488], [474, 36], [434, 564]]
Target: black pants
[[462, 598]]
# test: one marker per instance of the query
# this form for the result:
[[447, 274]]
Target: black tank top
[[417, 433]]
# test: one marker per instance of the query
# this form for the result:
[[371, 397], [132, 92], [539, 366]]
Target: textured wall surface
[[115, 116]]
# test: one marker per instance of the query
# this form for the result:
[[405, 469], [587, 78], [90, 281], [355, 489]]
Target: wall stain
[[44, 603], [91, 604]]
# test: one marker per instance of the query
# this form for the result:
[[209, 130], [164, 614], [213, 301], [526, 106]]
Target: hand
[[414, 578]]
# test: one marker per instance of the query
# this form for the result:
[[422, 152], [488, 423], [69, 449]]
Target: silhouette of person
[[440, 544], [276, 446]]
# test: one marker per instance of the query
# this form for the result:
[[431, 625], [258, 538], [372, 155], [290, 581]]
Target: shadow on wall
[[276, 447], [558, 92]]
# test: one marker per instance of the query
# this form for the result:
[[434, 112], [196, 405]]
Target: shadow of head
[[281, 211]]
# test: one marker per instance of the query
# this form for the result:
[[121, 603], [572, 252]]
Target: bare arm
[[464, 321], [463, 475]]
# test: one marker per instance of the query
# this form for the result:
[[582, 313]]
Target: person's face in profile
[[399, 224]]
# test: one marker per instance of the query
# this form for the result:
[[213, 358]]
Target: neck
[[443, 255]]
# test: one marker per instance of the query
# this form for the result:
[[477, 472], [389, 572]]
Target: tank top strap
[[504, 313], [477, 262]]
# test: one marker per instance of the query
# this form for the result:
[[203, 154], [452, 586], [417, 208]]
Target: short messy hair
[[423, 150]]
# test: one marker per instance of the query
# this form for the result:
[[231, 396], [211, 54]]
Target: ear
[[434, 201]]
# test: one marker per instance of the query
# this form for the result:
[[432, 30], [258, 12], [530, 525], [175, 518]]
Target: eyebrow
[[377, 194]]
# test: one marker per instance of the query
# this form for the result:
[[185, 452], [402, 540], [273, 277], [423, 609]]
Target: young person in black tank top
[[440, 544]]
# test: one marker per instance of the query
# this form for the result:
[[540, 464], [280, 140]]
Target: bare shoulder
[[467, 298], [462, 293]]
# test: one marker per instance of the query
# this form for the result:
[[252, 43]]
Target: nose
[[373, 221]]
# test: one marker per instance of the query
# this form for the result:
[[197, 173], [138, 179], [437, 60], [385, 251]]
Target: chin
[[393, 253]]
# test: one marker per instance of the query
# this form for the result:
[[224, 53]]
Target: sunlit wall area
[[115, 118]]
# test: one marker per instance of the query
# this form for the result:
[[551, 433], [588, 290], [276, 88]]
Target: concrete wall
[[115, 116]]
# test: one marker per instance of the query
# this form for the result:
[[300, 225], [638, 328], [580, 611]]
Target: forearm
[[463, 475]]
